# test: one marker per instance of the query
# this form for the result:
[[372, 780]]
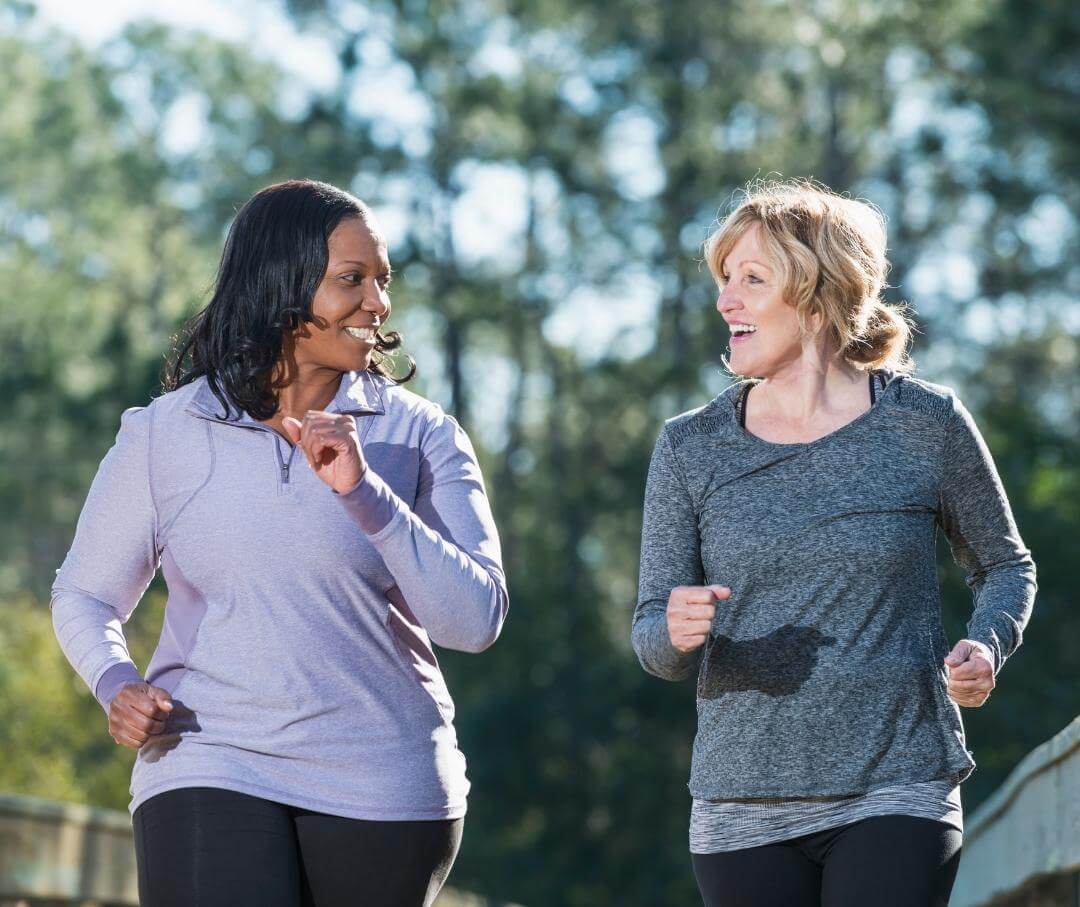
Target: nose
[[376, 300], [727, 300]]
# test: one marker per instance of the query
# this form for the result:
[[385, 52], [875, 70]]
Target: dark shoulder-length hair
[[274, 259]]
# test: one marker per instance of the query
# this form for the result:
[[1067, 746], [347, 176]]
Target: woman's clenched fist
[[971, 673], [138, 712], [331, 446], [690, 611]]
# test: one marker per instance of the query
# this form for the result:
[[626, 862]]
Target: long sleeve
[[670, 557], [112, 560], [444, 553], [977, 520]]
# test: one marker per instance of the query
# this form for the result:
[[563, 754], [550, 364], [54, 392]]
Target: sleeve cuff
[[371, 504], [991, 643], [119, 675]]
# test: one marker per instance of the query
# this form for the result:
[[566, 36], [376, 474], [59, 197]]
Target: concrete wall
[[58, 854], [65, 853], [1022, 846]]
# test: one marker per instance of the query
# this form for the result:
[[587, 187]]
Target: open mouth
[[364, 335], [742, 333]]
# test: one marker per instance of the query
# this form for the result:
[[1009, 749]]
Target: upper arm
[[451, 497], [670, 541], [974, 510], [115, 553]]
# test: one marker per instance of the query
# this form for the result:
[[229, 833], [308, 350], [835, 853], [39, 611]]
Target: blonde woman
[[788, 558]]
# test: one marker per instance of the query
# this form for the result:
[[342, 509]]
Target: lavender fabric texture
[[823, 673], [299, 629]]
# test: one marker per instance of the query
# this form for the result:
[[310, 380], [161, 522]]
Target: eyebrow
[[353, 261], [747, 261]]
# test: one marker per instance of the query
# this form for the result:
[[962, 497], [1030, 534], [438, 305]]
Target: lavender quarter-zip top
[[298, 635]]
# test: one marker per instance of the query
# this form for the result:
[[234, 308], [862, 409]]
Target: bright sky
[[258, 24]]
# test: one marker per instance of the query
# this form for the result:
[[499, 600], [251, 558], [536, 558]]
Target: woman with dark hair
[[318, 528]]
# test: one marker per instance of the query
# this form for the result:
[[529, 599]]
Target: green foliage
[[56, 738]]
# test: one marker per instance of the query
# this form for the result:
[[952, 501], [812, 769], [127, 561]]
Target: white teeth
[[743, 329], [361, 333]]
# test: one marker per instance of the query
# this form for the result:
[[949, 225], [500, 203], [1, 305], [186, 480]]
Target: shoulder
[[938, 402], [138, 418], [401, 403], [164, 425], [168, 407], [711, 419], [433, 423]]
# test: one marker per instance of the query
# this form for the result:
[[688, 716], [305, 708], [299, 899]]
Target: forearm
[[985, 541], [1004, 598], [92, 638], [459, 599], [652, 643]]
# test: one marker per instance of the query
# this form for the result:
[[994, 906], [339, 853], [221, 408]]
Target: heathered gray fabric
[[823, 672], [298, 633], [725, 825], [717, 826]]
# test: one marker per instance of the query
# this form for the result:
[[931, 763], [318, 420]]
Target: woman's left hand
[[971, 673], [331, 447]]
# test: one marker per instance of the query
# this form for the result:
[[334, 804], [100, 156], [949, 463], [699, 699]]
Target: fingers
[[971, 701], [292, 428], [162, 698], [959, 653], [137, 713], [144, 700], [699, 595], [130, 742], [970, 658], [322, 430], [971, 682], [973, 669], [128, 733], [696, 612], [690, 613], [981, 690], [689, 643]]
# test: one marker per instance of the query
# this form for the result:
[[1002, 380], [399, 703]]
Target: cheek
[[332, 305]]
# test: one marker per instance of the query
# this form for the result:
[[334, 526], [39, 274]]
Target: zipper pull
[[285, 473]]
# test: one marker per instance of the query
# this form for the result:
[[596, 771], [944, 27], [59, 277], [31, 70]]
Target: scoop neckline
[[733, 400]]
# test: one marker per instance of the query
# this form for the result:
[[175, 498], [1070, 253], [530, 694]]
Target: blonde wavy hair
[[830, 251]]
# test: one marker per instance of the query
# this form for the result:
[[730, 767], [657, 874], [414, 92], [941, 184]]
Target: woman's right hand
[[138, 712], [690, 611]]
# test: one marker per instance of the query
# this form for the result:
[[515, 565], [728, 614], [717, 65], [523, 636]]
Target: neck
[[806, 389], [301, 387]]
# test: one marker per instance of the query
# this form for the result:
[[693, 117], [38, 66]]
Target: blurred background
[[545, 172]]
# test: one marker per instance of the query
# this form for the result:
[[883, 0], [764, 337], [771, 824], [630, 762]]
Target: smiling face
[[751, 295], [351, 302]]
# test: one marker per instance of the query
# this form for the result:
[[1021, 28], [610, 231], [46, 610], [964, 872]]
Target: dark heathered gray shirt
[[823, 672]]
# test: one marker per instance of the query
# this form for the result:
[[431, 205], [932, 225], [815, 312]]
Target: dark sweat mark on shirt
[[777, 664]]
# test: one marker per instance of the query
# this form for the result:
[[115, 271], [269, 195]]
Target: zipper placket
[[283, 465]]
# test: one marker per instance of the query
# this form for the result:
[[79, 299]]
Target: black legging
[[887, 861], [204, 847]]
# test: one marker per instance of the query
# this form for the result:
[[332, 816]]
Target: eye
[[753, 278], [352, 278], [385, 280]]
